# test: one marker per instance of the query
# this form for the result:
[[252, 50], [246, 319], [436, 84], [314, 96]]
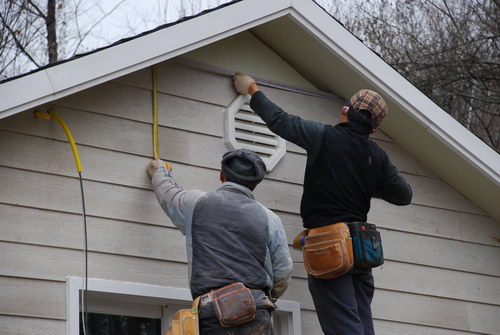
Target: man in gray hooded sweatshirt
[[230, 238]]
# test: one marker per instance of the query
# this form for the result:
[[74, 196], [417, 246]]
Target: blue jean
[[343, 303]]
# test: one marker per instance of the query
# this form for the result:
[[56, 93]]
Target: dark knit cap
[[243, 167]]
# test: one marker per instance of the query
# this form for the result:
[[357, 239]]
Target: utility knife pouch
[[234, 305], [367, 245]]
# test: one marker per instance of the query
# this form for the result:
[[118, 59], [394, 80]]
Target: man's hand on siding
[[244, 84]]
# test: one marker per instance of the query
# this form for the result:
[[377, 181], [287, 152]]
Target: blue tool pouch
[[367, 245]]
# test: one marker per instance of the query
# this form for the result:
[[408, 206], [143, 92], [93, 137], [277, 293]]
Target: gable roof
[[321, 50]]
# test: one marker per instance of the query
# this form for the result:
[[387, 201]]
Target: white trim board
[[142, 291]]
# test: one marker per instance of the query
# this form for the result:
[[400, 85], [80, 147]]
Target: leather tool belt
[[327, 250], [233, 304], [185, 321]]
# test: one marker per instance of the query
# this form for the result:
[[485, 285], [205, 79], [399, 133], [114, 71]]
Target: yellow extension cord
[[47, 116], [52, 114]]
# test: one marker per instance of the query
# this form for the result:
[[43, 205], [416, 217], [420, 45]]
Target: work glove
[[153, 165], [242, 82]]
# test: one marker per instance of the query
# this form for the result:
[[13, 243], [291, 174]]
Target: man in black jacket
[[345, 169]]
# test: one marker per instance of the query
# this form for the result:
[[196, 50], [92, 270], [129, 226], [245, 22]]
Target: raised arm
[[394, 188], [305, 133], [176, 202]]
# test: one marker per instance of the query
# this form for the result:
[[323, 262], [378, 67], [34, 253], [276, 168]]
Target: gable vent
[[243, 129]]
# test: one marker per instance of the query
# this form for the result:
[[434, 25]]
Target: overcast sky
[[125, 18], [131, 17]]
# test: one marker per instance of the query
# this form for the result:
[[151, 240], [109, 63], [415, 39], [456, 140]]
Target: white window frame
[[140, 295]]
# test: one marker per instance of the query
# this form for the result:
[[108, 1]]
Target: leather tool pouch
[[327, 251], [185, 321], [234, 305], [367, 245]]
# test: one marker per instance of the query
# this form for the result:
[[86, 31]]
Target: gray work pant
[[261, 325], [343, 303]]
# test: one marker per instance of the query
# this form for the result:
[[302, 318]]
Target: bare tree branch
[[449, 50], [34, 27], [18, 43], [38, 11], [82, 38]]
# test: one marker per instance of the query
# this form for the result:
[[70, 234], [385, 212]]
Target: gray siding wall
[[442, 270]]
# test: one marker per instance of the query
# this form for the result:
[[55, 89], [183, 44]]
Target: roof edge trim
[[53, 82]]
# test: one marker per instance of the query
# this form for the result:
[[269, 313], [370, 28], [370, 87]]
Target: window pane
[[107, 324]]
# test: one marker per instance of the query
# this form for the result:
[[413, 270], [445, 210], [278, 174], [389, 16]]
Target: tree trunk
[[51, 31]]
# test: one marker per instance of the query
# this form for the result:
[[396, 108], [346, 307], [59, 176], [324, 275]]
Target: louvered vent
[[243, 129]]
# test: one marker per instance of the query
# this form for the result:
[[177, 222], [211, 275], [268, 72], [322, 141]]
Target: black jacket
[[345, 169]]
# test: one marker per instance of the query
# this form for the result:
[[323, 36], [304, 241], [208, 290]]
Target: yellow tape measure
[[156, 150]]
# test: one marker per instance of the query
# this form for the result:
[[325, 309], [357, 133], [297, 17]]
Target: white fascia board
[[96, 68], [16, 94], [400, 90]]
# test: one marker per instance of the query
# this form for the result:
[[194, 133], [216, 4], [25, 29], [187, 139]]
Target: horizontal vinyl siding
[[14, 325], [52, 265], [441, 270]]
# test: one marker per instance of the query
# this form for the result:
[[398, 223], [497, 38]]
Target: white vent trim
[[243, 129]]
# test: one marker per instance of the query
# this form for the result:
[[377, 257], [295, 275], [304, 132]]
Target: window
[[243, 129], [110, 324], [148, 308]]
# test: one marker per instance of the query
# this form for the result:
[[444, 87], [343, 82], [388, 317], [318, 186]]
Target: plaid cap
[[372, 102]]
